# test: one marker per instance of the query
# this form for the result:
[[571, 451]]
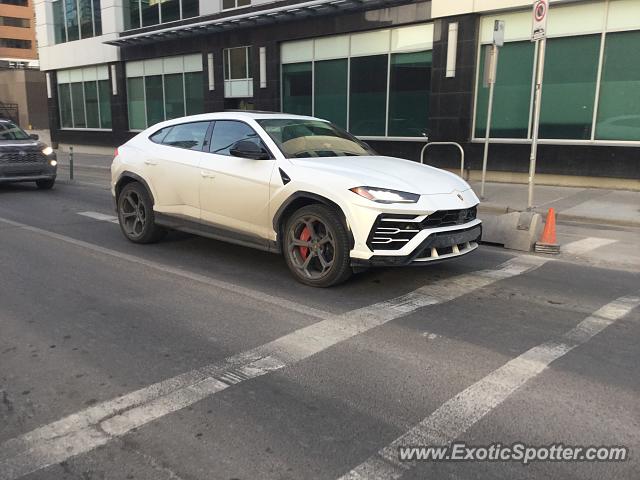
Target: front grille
[[25, 157], [392, 232], [449, 218]]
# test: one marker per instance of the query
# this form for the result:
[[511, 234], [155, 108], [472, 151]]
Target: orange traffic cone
[[548, 242]]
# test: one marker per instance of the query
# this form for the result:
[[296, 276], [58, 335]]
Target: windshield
[[10, 131], [300, 138]]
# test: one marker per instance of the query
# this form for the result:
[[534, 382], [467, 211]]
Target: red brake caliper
[[305, 235]]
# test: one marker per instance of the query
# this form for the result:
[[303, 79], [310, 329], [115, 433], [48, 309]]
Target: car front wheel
[[316, 246], [135, 214]]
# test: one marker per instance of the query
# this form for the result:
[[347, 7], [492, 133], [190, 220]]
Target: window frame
[[235, 7]]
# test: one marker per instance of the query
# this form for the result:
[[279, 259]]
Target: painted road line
[[100, 216], [580, 247], [458, 414], [219, 284], [83, 431]]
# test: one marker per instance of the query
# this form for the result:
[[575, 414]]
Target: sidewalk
[[586, 205]]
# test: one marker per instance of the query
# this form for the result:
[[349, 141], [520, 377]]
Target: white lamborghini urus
[[295, 185]]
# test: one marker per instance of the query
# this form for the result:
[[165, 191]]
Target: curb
[[563, 217]]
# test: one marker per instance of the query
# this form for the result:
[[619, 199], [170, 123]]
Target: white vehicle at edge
[[295, 185]]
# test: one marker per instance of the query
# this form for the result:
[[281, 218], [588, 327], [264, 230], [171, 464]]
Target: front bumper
[[437, 246], [27, 172]]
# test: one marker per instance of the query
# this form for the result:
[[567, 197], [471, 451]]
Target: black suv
[[24, 159]]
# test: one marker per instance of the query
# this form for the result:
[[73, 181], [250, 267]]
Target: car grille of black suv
[[392, 232], [24, 157]]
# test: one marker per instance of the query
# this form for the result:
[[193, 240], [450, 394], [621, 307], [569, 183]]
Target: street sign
[[539, 25], [498, 33]]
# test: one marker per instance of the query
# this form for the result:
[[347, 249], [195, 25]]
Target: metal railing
[[453, 144]]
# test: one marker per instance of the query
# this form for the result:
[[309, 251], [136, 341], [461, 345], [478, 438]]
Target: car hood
[[29, 145], [387, 172]]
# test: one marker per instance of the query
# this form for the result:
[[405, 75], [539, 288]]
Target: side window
[[159, 135], [187, 135], [227, 132]]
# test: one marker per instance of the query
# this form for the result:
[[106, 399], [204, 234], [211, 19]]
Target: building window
[[512, 92], [229, 4], [20, 3], [374, 83], [15, 43], [76, 19], [619, 106], [368, 95], [84, 97], [331, 88], [296, 85], [570, 76], [164, 88], [144, 13], [14, 22], [238, 78]]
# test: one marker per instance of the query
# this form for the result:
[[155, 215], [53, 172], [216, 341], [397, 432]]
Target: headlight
[[47, 151], [384, 195]]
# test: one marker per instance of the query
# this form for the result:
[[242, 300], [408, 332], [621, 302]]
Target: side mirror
[[34, 136], [249, 149]]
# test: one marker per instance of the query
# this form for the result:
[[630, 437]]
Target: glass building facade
[[591, 87], [164, 88], [84, 98], [76, 19], [374, 84]]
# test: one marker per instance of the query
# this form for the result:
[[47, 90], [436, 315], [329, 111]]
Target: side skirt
[[215, 232]]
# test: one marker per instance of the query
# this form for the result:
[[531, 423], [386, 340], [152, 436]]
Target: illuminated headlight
[[384, 195], [53, 163], [47, 151]]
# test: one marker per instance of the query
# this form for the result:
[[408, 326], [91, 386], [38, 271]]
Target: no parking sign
[[539, 27]]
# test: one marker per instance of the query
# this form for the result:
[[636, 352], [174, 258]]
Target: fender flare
[[137, 178], [277, 218]]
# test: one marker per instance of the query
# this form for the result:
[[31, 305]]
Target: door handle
[[149, 162], [207, 174]]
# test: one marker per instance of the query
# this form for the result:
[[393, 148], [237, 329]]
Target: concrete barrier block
[[515, 230]]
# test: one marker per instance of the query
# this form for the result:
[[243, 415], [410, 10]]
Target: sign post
[[538, 35], [490, 72]]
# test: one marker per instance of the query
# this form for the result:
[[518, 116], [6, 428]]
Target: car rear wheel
[[316, 246], [45, 184], [135, 214]]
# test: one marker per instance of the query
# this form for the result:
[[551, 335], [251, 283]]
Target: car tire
[[316, 246], [46, 184], [136, 216]]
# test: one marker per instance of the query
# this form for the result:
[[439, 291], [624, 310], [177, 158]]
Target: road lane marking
[[220, 284], [461, 412], [100, 216], [580, 247], [83, 431]]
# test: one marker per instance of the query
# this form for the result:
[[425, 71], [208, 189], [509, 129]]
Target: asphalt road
[[194, 359]]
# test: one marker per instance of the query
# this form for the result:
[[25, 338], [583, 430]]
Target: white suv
[[295, 185]]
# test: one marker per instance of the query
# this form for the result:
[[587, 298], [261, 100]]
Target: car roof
[[236, 115]]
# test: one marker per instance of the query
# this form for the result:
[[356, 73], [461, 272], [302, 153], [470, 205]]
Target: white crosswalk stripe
[[461, 412]]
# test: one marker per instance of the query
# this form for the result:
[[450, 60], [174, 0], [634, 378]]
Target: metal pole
[[536, 120], [492, 82], [71, 162]]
